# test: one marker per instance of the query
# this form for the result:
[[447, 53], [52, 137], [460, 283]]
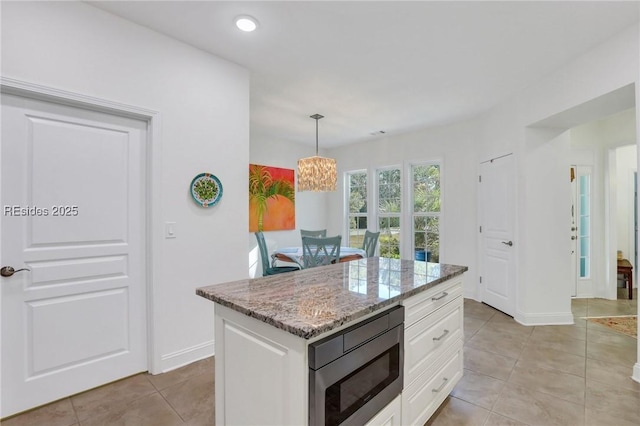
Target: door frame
[[153, 177]]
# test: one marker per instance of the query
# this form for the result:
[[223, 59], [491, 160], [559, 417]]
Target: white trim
[[186, 356], [153, 244], [636, 372], [554, 318]]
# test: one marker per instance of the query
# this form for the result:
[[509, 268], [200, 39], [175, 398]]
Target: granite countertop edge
[[308, 332]]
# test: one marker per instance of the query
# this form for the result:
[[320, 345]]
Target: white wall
[[609, 66], [626, 165], [204, 105], [542, 157], [312, 211], [595, 144]]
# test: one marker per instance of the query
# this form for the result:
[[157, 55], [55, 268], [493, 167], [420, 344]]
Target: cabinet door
[[390, 415], [423, 397], [427, 339]]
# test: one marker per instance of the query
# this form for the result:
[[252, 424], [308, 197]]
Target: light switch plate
[[170, 230]]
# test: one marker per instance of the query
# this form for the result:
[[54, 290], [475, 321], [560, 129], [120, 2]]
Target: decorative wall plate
[[206, 189]]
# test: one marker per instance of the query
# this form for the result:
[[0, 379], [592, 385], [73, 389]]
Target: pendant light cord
[[317, 136]]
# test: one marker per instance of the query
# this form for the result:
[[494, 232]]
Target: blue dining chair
[[264, 255], [320, 233], [320, 251], [370, 242]]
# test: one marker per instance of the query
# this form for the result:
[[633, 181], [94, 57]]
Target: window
[[389, 186], [407, 209], [425, 187], [357, 216]]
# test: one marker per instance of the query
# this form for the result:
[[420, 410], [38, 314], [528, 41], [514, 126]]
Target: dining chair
[[320, 251], [320, 233], [264, 255], [369, 243]]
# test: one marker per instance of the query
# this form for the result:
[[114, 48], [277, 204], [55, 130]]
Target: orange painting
[[271, 198]]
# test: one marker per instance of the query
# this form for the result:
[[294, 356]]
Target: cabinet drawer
[[389, 415], [421, 305], [427, 339], [423, 397]]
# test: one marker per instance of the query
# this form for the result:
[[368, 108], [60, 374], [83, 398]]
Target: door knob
[[508, 243], [574, 228], [573, 237], [7, 271]]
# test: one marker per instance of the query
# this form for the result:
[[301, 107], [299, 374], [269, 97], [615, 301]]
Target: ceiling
[[382, 66]]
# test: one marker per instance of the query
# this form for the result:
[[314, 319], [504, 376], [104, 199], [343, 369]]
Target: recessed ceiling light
[[246, 23]]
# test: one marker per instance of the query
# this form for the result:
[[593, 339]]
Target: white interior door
[[73, 213], [497, 253]]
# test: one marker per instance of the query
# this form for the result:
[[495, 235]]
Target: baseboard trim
[[636, 372], [186, 356], [553, 318]]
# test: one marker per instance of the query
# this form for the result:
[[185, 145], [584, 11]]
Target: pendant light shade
[[317, 173]]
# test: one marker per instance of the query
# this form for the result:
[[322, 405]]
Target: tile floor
[[570, 375], [514, 375]]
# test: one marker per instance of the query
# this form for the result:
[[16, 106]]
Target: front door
[[574, 230], [497, 255], [73, 214]]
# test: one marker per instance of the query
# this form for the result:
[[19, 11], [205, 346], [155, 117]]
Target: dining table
[[295, 255]]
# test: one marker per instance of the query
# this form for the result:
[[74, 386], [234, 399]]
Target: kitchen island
[[264, 326]]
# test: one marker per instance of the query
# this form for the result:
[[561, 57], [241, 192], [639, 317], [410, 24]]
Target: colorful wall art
[[271, 198]]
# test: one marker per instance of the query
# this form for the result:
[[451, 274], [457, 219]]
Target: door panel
[[497, 198], [74, 183]]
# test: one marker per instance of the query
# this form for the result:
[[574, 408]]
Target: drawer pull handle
[[435, 339], [444, 383], [444, 294]]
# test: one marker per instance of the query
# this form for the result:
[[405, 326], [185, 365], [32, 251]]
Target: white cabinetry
[[389, 415], [432, 349]]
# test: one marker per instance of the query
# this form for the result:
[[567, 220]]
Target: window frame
[[406, 216], [411, 214], [347, 200]]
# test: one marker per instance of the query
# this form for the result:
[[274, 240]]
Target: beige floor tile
[[505, 344], [597, 418], [151, 410], [487, 363], [617, 354], [478, 389], [613, 400], [59, 413], [616, 375], [537, 408], [163, 381], [478, 310], [112, 396], [192, 398], [544, 356], [603, 309], [601, 334], [556, 383], [568, 331], [207, 418], [471, 326], [505, 324], [498, 420], [548, 339], [455, 412]]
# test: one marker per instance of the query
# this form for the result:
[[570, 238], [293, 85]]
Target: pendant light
[[317, 173]]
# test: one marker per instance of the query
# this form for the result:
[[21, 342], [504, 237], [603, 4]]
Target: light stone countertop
[[313, 301]]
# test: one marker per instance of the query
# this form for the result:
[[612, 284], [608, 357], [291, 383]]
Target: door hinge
[[481, 229], [480, 280], [480, 178]]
